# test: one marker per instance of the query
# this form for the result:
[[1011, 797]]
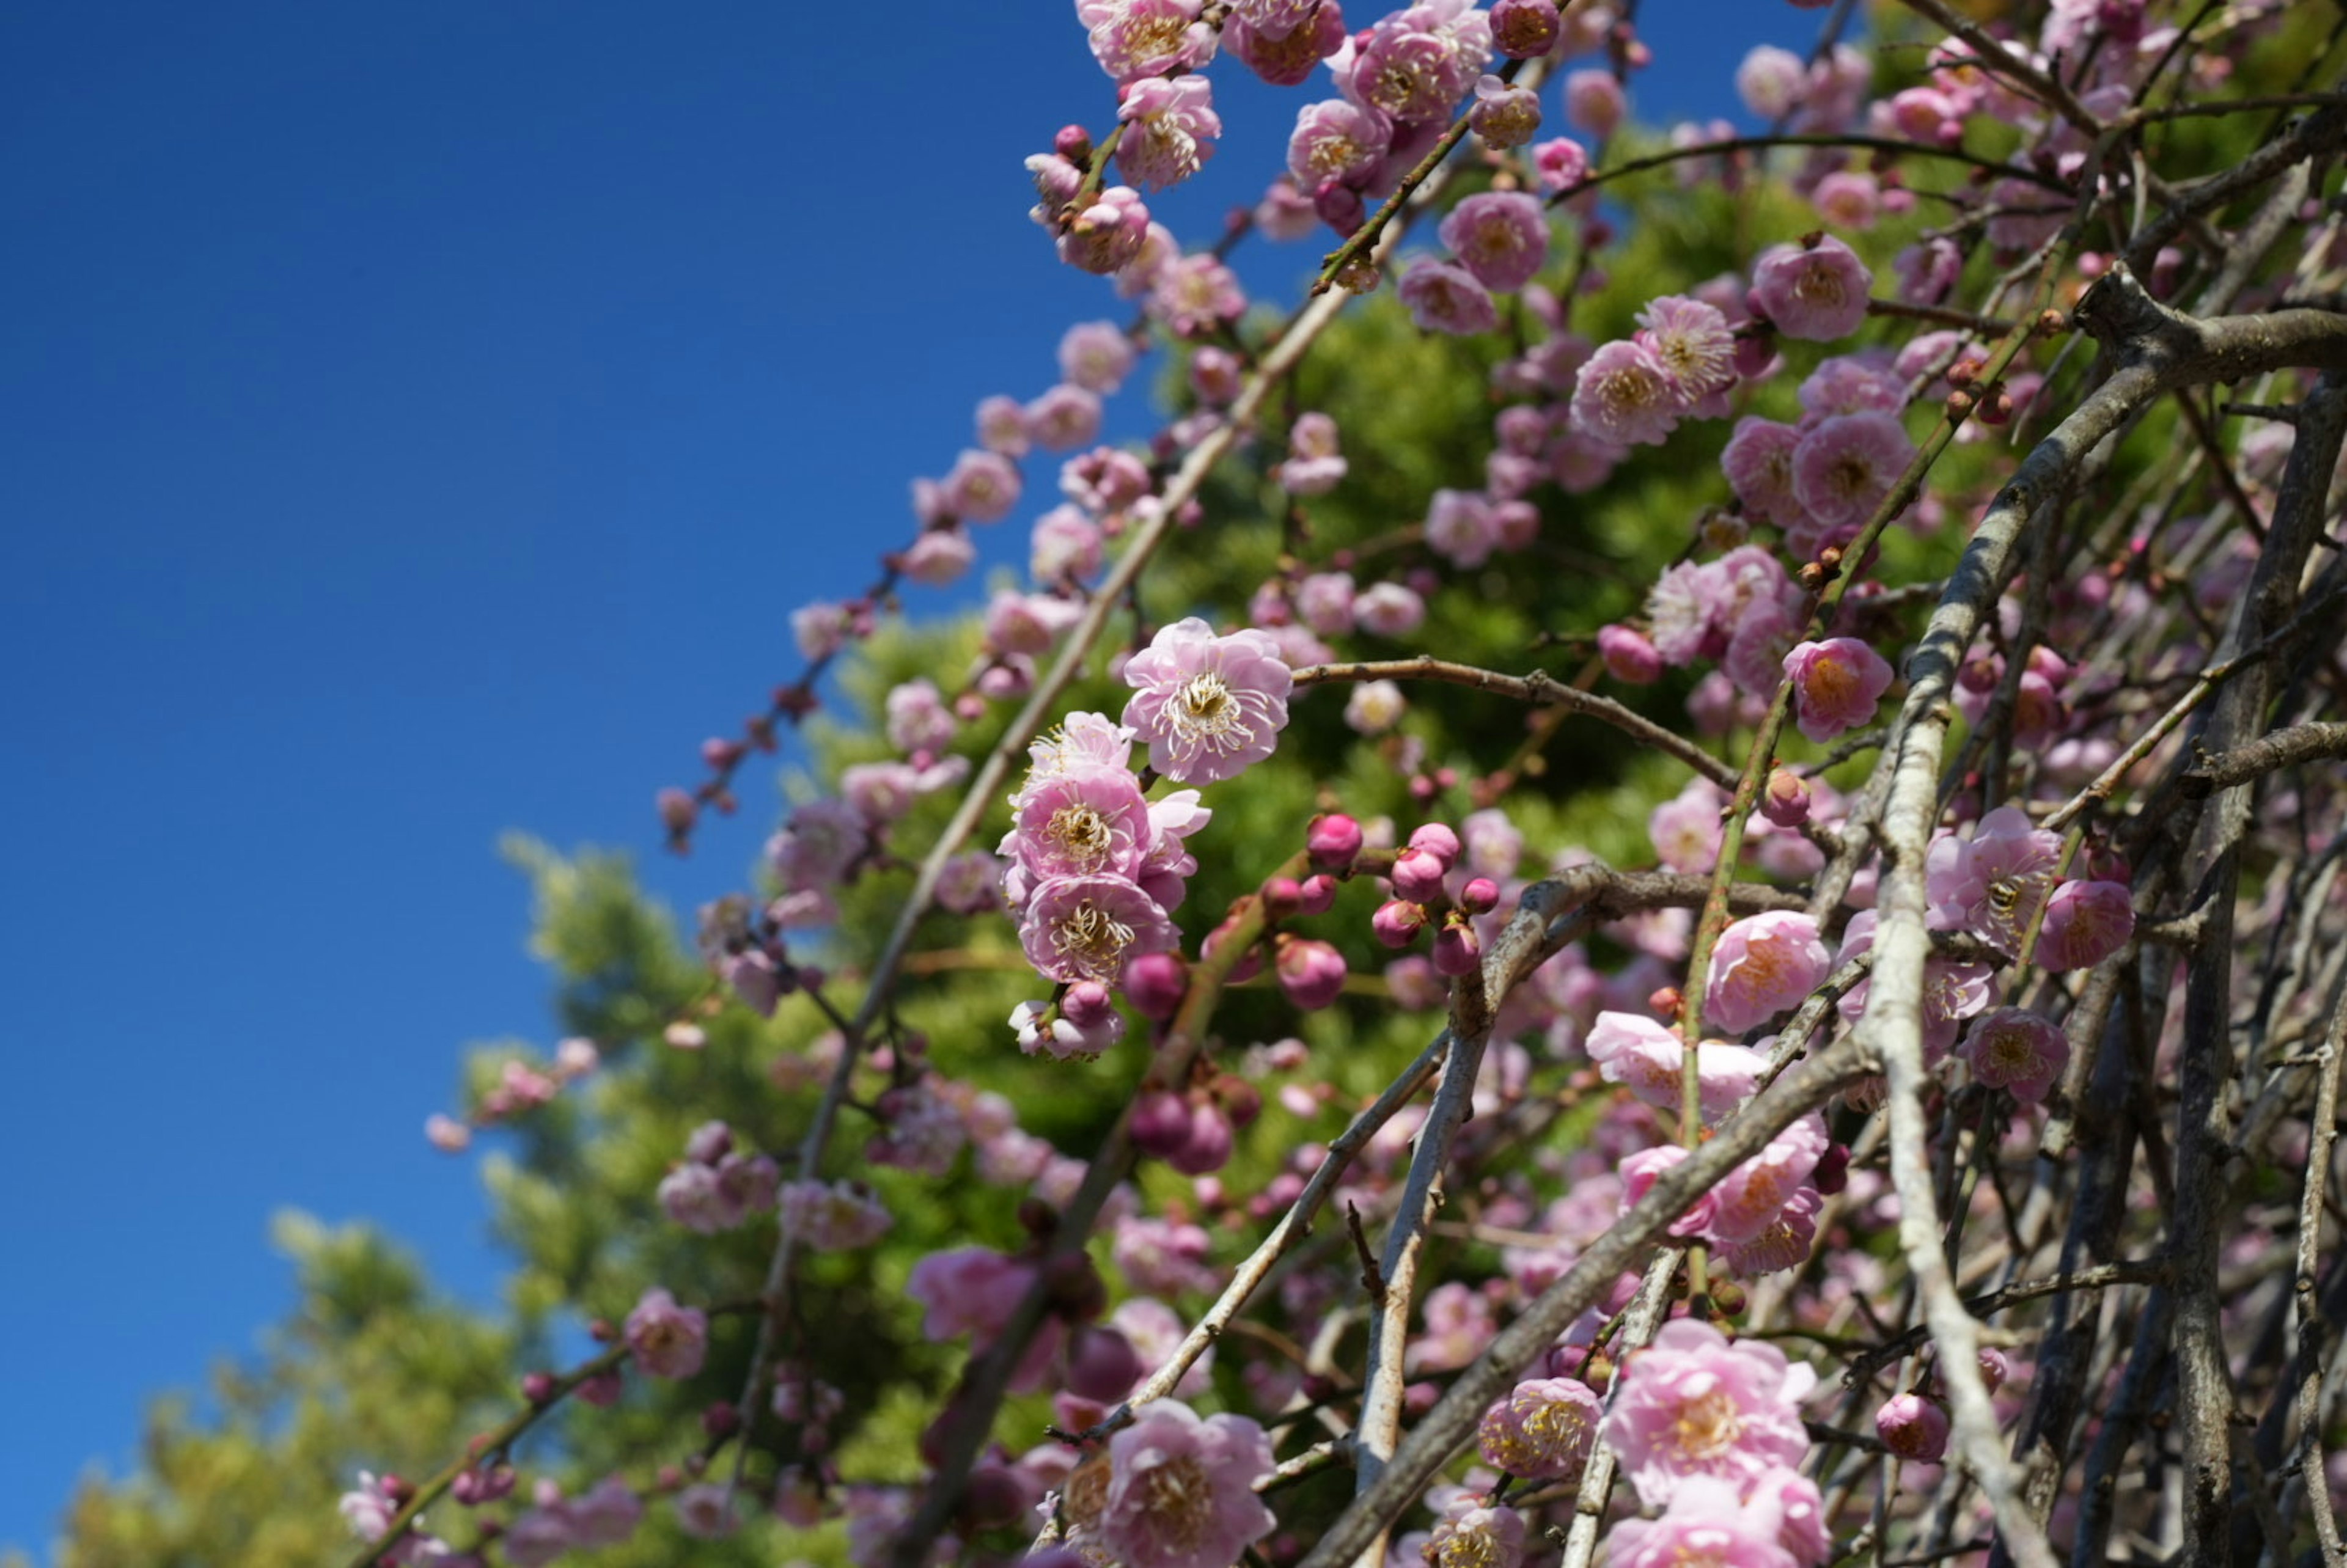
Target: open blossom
[[668, 1340], [1504, 115], [1208, 706], [1543, 1430], [1624, 395], [1951, 992], [982, 488], [1180, 1489], [1561, 163], [1647, 1057], [1137, 38], [1817, 295], [1473, 1534], [1081, 742], [1502, 237], [1594, 101], [1096, 356], [1691, 340], [1106, 236], [1994, 882], [1836, 685], [1080, 825], [1063, 417], [1687, 829], [1446, 298], [1195, 294], [1762, 964], [1418, 62], [834, 1216], [1771, 81], [2016, 1049], [1315, 464], [1693, 1405], [1459, 528], [1170, 129], [1749, 1198], [2086, 922], [1335, 140], [1709, 1521], [1844, 469], [1086, 927]]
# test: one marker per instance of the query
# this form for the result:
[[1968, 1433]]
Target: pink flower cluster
[[717, 1186], [1679, 365]]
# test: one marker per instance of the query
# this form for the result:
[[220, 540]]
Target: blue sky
[[419, 423]]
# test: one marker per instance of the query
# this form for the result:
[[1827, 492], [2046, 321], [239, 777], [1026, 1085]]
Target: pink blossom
[[667, 1340], [1446, 298], [1836, 685], [1208, 706], [446, 1133], [1082, 1024], [1691, 340], [1388, 610], [2086, 922], [1626, 396], [1273, 18], [1765, 633], [1771, 81], [1196, 294], [1629, 657], [1594, 101], [834, 1216], [1913, 1427], [1104, 480], [1995, 882], [1647, 1057], [1170, 129], [1502, 237], [1314, 466], [1063, 418], [1545, 1429], [1418, 62], [1750, 1199], [982, 488], [1108, 235], [1867, 382], [1137, 38], [1459, 528], [1066, 546], [1843, 469], [1817, 295], [1180, 1489], [1335, 140], [1096, 356], [1951, 992], [1474, 1534], [1686, 830], [1762, 964], [1692, 1405], [1090, 823], [1504, 117], [1707, 1521], [2016, 1049], [1287, 60], [1085, 927], [1782, 1243], [1562, 163]]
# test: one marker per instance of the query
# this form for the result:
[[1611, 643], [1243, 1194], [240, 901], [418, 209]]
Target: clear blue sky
[[417, 422]]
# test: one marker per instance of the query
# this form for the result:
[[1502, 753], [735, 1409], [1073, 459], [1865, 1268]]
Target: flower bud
[[1282, 898], [1074, 143], [1434, 838], [1103, 1365], [1786, 801], [1317, 896], [1993, 1367], [1397, 924], [1457, 951], [1239, 1100], [1831, 1173], [1913, 1427], [1417, 876], [1155, 983], [1208, 1147], [1333, 841], [1480, 896], [1630, 657], [538, 1388], [1312, 973], [1160, 1122], [678, 811]]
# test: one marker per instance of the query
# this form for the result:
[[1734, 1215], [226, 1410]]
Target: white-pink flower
[[1836, 685], [1180, 1489], [1693, 1405], [1817, 295], [1208, 706], [1762, 964]]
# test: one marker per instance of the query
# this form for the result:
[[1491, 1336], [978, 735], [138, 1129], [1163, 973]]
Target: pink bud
[[538, 1388], [1629, 657], [1155, 983], [446, 1133], [1456, 950], [1434, 838], [1208, 1147], [1317, 896], [1333, 841], [1312, 973], [1282, 898], [1417, 876], [1993, 1367], [1249, 965], [720, 1419], [678, 811], [1913, 1427], [1832, 1171], [1480, 896], [1397, 924], [1786, 801], [1160, 1122], [1103, 1365], [1087, 1004], [1073, 143]]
